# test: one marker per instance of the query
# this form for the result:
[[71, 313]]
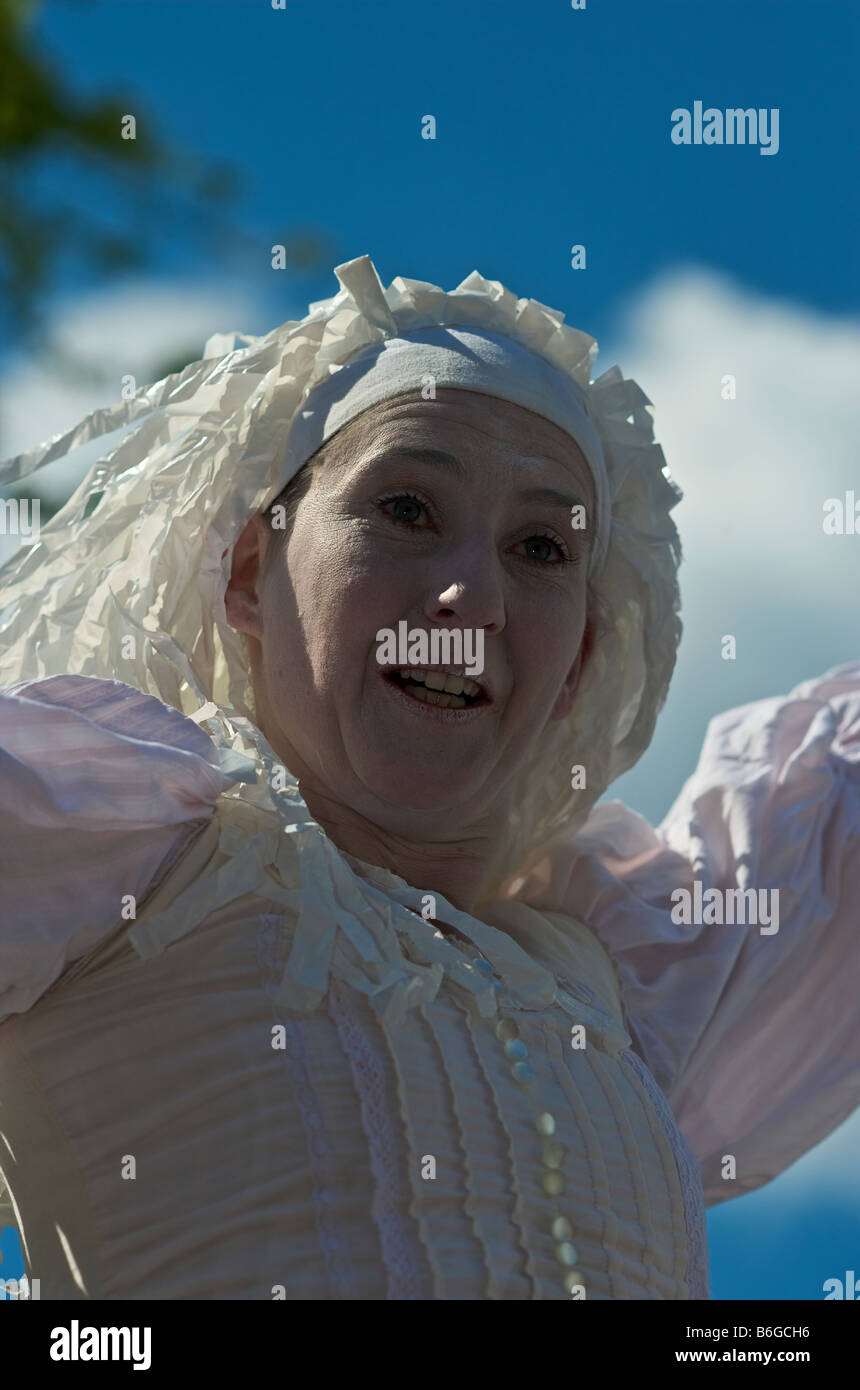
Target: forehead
[[468, 424]]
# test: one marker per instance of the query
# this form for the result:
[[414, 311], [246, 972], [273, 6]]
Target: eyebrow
[[441, 459], [549, 494], [435, 456]]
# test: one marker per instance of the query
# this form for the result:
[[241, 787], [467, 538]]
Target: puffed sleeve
[[100, 787], [753, 1029]]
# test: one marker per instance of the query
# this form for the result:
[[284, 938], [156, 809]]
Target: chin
[[414, 792]]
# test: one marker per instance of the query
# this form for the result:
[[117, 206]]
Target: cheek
[[337, 592], [334, 559], [313, 570], [549, 636]]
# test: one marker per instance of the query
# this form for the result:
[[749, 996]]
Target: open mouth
[[438, 687]]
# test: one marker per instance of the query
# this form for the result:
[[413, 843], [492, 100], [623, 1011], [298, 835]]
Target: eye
[[545, 550], [405, 508]]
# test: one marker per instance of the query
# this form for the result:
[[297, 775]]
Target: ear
[[564, 703], [242, 596]]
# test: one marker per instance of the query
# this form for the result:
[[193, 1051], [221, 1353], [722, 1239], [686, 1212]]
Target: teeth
[[443, 682], [437, 697]]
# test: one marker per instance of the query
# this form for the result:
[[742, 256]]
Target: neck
[[456, 863], [457, 869]]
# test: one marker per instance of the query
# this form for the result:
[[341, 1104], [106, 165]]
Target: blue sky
[[552, 129]]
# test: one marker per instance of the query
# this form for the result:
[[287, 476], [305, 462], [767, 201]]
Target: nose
[[469, 593]]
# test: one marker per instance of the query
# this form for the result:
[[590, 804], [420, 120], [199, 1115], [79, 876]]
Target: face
[[452, 513]]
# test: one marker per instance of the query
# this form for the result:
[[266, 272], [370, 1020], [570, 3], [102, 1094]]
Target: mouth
[[446, 689]]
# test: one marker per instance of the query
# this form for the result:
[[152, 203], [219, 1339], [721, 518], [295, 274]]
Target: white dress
[[170, 1129]]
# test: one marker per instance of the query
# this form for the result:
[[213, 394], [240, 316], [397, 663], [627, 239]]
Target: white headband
[[482, 361]]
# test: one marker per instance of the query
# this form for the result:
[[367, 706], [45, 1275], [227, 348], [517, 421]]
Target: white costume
[[276, 1078]]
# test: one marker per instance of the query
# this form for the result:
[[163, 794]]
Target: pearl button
[[572, 1278], [553, 1153]]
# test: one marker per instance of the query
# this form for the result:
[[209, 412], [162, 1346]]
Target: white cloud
[[828, 1171], [129, 329], [755, 473]]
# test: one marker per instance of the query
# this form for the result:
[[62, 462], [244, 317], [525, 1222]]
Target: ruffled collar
[[356, 922]]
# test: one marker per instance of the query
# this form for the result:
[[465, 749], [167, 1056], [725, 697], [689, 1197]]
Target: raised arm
[[735, 930]]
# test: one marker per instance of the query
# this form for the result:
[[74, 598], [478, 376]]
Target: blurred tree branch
[[41, 117], [43, 120]]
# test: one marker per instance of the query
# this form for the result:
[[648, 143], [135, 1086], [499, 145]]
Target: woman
[[318, 980]]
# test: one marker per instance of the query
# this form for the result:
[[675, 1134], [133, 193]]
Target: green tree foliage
[[42, 117]]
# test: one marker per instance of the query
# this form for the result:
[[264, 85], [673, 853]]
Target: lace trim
[[391, 1197], [471, 1205], [323, 1168], [517, 1215], [691, 1183], [689, 1171]]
